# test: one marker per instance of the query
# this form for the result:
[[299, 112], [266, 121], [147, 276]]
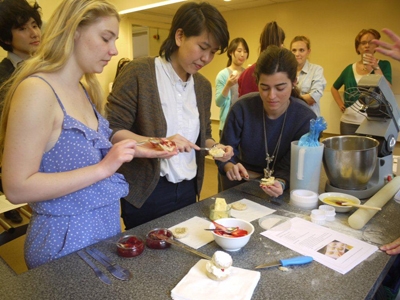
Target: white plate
[[339, 208]]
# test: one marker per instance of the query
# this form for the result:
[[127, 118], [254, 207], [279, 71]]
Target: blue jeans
[[166, 197]]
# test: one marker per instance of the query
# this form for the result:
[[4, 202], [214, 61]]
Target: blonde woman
[[56, 154], [310, 77]]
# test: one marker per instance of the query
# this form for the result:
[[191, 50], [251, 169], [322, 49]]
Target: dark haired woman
[[226, 87], [351, 75], [272, 34], [261, 126], [165, 96]]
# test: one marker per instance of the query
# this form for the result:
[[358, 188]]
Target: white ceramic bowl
[[233, 243], [304, 199], [327, 197]]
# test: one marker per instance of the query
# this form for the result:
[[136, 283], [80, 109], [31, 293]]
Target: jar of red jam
[[130, 246], [155, 243]]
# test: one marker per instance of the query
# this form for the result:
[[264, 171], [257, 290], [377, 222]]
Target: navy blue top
[[244, 132]]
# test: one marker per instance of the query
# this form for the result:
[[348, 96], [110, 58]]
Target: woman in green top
[[351, 75]]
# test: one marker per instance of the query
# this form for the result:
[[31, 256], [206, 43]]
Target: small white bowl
[[233, 243], [304, 199], [326, 197], [318, 217], [329, 212]]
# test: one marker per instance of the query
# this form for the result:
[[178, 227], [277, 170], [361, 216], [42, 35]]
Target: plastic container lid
[[304, 199]]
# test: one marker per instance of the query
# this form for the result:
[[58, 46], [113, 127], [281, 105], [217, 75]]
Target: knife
[[298, 260], [96, 270], [110, 268], [108, 260], [181, 245]]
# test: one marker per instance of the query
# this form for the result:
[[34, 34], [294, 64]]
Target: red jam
[[130, 246], [155, 243]]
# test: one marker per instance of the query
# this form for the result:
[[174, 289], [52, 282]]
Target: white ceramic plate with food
[[333, 199]]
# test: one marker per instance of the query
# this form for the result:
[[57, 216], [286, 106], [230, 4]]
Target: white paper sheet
[[253, 211], [335, 250], [197, 286], [197, 236]]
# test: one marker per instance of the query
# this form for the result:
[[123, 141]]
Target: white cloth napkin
[[197, 236], [196, 285], [253, 211]]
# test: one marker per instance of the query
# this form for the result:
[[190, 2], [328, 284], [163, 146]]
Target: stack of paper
[[335, 250]]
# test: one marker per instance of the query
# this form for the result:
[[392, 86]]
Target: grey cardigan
[[134, 104]]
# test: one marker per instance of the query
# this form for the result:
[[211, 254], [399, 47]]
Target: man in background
[[20, 34]]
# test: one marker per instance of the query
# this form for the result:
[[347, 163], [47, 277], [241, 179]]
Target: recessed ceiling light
[[143, 7]]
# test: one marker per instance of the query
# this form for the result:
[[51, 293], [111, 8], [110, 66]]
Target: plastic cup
[[365, 62], [305, 167]]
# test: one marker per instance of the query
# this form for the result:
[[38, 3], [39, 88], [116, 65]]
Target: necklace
[[271, 159]]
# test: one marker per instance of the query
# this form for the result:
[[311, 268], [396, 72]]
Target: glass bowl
[[154, 242], [219, 214], [130, 246]]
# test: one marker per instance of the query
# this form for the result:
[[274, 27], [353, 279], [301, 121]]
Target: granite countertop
[[157, 272]]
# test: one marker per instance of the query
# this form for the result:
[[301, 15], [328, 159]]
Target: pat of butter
[[220, 204]]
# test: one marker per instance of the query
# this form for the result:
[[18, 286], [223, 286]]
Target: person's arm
[[392, 50], [317, 87], [385, 69], [231, 136], [222, 89], [338, 99], [34, 125], [392, 248]]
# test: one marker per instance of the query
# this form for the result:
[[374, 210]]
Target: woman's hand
[[274, 190], [338, 99], [235, 172], [121, 152], [232, 80], [392, 248], [227, 155], [370, 61], [148, 150], [182, 144], [392, 50]]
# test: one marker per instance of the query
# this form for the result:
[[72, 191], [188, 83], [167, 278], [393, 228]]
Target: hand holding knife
[[298, 260]]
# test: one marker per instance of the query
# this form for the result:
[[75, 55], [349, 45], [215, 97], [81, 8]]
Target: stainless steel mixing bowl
[[350, 161]]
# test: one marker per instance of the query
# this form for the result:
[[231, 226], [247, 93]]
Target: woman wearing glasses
[[351, 75]]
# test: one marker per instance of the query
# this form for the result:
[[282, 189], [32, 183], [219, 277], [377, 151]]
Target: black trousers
[[166, 198]]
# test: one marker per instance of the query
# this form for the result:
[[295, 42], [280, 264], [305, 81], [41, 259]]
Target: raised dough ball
[[219, 267]]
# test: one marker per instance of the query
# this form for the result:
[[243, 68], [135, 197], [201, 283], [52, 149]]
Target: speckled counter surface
[[156, 272]]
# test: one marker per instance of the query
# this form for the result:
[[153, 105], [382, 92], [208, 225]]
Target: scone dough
[[180, 232], [216, 152], [268, 181], [239, 206]]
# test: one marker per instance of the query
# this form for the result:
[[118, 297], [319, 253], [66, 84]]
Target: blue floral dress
[[66, 224]]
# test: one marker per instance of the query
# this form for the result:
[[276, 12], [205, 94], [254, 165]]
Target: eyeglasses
[[364, 43]]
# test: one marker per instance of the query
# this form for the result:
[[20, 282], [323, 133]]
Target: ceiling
[[164, 14]]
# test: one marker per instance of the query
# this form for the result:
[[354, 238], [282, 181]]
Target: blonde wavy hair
[[56, 47]]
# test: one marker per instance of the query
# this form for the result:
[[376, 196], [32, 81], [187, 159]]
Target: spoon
[[344, 203]]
